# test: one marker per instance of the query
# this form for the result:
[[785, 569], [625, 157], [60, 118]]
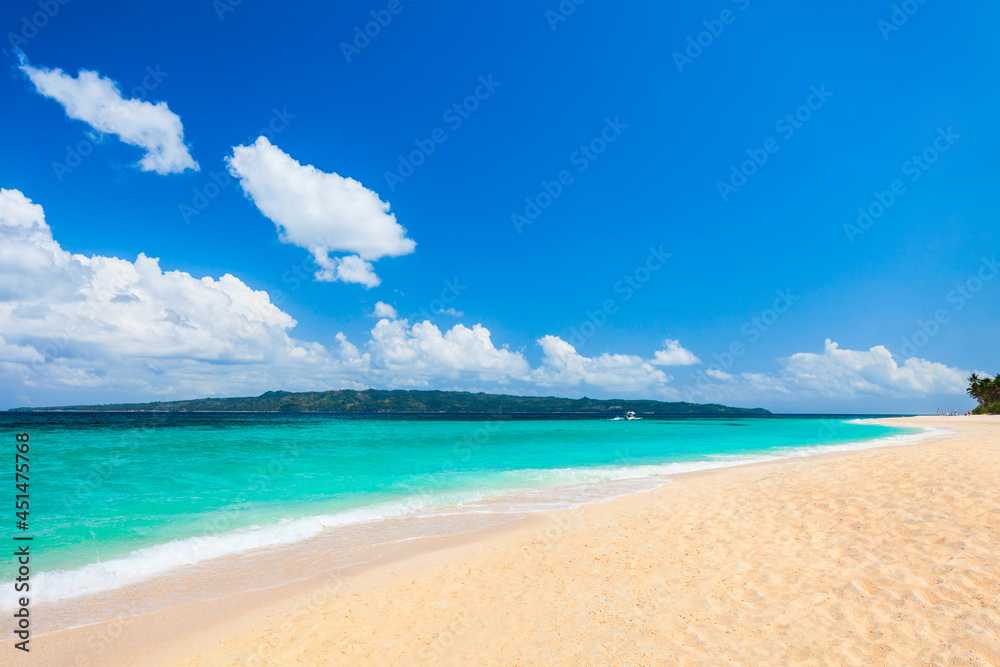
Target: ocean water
[[118, 499]]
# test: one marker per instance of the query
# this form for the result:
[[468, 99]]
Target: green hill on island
[[412, 401]]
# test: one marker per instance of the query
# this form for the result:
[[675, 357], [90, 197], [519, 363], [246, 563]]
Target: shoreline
[[246, 614], [289, 561]]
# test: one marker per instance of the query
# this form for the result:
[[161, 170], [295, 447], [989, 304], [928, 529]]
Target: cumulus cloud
[[321, 212], [384, 310], [75, 322], [69, 318], [98, 101], [563, 366], [405, 354], [673, 354], [837, 373]]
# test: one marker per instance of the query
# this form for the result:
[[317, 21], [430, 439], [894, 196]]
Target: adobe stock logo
[[76, 153], [959, 297], [581, 158], [203, 196], [915, 168], [454, 116], [713, 30], [787, 126], [223, 7], [31, 25], [725, 359], [442, 305], [562, 13], [630, 283], [363, 35], [901, 13]]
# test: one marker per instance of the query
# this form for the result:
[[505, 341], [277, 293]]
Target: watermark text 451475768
[[22, 616]]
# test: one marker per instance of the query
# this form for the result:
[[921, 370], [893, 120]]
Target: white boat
[[631, 415]]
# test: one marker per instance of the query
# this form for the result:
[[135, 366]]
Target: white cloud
[[716, 374], [321, 212], [563, 366], [98, 101], [764, 384], [840, 372], [673, 354], [72, 320], [384, 310], [349, 269], [836, 373], [413, 355], [19, 353], [81, 323]]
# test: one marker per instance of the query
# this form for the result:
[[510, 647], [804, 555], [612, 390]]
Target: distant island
[[374, 401]]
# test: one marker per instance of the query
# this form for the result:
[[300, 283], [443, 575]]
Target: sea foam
[[516, 492]]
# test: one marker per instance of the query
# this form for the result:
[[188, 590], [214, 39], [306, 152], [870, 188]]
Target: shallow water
[[126, 502]]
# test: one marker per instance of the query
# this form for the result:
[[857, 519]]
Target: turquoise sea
[[117, 499]]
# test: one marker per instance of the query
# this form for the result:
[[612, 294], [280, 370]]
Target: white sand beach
[[886, 556]]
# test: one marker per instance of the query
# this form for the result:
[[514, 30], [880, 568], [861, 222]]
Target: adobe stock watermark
[[30, 25], [363, 35], [202, 196], [564, 521], [581, 158], [263, 477], [76, 153], [901, 13], [629, 284], [454, 116], [437, 651], [223, 7], [914, 168], [562, 12], [106, 636], [442, 304], [463, 450], [958, 297], [57, 342], [752, 330], [86, 485], [304, 271], [695, 46], [786, 126], [298, 273], [268, 646]]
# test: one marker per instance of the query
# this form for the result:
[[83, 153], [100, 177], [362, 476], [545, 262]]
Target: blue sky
[[825, 107]]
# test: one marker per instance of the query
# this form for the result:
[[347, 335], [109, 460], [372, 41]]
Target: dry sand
[[881, 557]]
